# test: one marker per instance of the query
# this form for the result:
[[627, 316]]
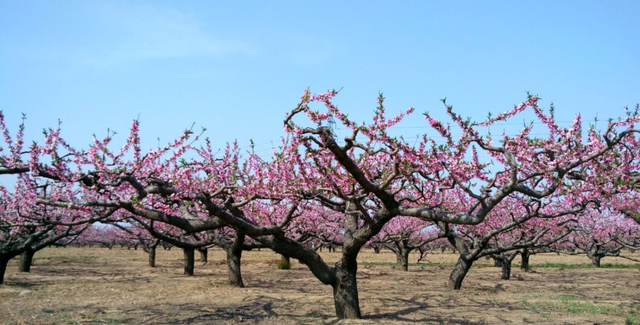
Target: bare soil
[[102, 286]]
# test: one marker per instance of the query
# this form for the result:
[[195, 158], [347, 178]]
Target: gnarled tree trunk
[[234, 255], [345, 290], [595, 259], [204, 255], [3, 267], [150, 248], [401, 249], [459, 272], [402, 258], [506, 269], [505, 262], [525, 260], [152, 255], [26, 259], [188, 260]]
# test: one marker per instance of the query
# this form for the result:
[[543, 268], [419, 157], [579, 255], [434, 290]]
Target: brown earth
[[102, 286]]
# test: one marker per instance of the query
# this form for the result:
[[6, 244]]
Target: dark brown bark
[[402, 259], [497, 262], [26, 259], [234, 255], [460, 270], [506, 270], [506, 260], [345, 290], [152, 256], [525, 260], [204, 255], [150, 247], [188, 260], [285, 259], [595, 260], [3, 268]]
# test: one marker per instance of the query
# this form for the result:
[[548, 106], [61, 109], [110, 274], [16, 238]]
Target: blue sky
[[235, 67]]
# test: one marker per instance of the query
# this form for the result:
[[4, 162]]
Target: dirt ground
[[102, 286]]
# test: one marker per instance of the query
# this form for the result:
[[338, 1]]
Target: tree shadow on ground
[[410, 313], [19, 284], [37, 276], [269, 284], [166, 314]]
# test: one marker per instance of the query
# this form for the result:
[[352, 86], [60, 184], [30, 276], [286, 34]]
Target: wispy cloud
[[134, 32]]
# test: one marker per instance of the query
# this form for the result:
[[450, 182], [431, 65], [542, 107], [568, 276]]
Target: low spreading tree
[[515, 225], [601, 234], [402, 235], [26, 228]]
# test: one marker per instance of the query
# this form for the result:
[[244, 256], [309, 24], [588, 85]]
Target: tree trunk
[[285, 259], [188, 260], [525, 260], [152, 256], [506, 269], [402, 259], [345, 290], [3, 267], [497, 262], [459, 272], [204, 253], [234, 255], [595, 260], [26, 258]]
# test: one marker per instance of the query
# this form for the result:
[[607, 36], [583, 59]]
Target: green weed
[[284, 266], [586, 266], [574, 305]]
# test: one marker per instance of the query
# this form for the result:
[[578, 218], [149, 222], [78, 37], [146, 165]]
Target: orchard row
[[574, 191]]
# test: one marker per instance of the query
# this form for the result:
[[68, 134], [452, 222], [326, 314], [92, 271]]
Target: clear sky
[[235, 67]]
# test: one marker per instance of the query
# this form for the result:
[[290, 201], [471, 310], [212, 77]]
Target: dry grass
[[101, 286]]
